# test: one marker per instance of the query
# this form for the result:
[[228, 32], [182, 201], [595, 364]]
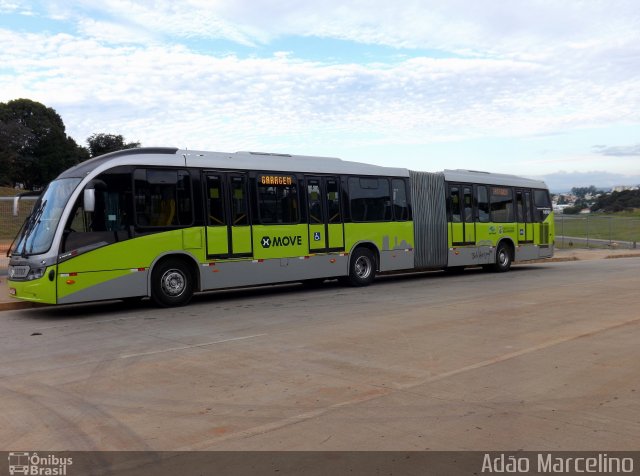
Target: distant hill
[[617, 201], [563, 182]]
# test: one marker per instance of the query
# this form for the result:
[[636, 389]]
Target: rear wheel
[[362, 267], [171, 283], [503, 258]]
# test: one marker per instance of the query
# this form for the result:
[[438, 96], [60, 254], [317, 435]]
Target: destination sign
[[500, 192], [276, 180]]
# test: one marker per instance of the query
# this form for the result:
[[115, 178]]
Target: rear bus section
[[467, 218]]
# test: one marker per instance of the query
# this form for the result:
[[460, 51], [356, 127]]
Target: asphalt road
[[545, 357]]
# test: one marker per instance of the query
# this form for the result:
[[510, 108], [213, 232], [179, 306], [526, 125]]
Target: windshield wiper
[[30, 226]]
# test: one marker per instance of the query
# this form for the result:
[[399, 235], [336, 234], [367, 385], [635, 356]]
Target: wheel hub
[[173, 283], [362, 267]]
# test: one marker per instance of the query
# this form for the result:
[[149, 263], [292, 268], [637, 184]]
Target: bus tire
[[171, 283], [362, 267], [503, 258]]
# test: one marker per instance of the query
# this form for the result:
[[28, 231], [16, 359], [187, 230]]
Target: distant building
[[622, 188]]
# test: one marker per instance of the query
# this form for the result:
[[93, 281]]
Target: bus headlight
[[36, 273]]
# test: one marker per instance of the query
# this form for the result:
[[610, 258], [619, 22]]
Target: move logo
[[280, 241]]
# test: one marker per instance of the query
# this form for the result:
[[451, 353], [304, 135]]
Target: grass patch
[[614, 227]]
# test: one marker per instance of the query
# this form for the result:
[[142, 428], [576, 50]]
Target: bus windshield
[[39, 229]]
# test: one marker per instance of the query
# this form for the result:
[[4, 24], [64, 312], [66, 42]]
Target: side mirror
[[89, 200]]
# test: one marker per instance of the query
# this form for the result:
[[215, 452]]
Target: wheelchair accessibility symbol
[[316, 236]]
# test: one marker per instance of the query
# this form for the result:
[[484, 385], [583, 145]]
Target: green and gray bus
[[165, 223]]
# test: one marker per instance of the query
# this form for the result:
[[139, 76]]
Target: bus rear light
[[12, 291], [70, 281]]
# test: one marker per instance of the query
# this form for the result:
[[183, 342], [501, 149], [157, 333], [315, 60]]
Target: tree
[[582, 192], [618, 201], [34, 147], [100, 144]]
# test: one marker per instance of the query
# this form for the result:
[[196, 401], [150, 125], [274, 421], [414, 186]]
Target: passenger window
[[370, 199], [454, 204], [400, 203], [482, 203], [315, 202], [333, 201], [527, 207], [468, 205], [162, 198], [542, 204], [278, 199], [216, 204], [239, 202], [112, 218], [501, 205]]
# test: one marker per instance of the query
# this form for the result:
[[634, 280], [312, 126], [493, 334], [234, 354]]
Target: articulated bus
[[165, 223]]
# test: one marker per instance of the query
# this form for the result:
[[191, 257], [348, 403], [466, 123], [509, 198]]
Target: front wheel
[[171, 283], [362, 267], [503, 259]]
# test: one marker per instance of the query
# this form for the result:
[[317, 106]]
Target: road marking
[[184, 347]]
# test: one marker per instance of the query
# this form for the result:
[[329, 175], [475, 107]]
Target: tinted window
[[523, 206], [454, 204], [239, 202], [315, 202], [482, 204], [527, 206], [501, 204], [400, 203], [542, 204], [278, 199], [333, 201], [541, 199], [112, 218], [467, 205], [162, 198], [370, 199], [216, 203]]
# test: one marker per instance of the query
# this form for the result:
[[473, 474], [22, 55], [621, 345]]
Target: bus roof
[[259, 161], [474, 176]]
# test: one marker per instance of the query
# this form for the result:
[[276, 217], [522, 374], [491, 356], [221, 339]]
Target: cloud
[[16, 6], [161, 93], [618, 151], [525, 29], [153, 71]]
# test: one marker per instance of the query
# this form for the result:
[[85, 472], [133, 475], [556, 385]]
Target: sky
[[540, 88]]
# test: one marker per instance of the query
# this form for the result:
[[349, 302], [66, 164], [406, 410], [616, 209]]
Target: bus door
[[523, 216], [462, 224], [326, 232], [228, 226]]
